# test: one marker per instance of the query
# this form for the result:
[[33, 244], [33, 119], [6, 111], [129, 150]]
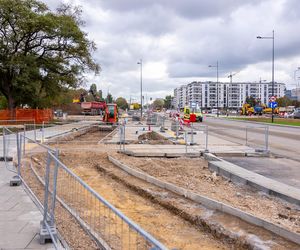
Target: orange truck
[[92, 108], [111, 113]]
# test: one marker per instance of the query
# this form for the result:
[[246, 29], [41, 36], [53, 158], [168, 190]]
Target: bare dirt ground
[[170, 229], [193, 174], [151, 207]]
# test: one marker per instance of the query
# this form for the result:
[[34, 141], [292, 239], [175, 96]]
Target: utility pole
[[141, 63]]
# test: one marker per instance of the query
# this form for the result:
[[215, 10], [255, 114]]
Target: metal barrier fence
[[62, 189], [196, 137]]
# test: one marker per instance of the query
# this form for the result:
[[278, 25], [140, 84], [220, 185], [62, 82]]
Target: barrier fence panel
[[105, 222], [9, 140], [257, 137], [59, 188]]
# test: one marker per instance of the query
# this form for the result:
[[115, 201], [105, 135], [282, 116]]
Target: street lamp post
[[297, 83], [271, 37], [141, 64], [217, 67]]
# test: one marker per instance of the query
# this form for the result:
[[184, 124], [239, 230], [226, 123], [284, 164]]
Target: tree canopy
[[158, 103], [41, 52], [122, 103], [168, 102]]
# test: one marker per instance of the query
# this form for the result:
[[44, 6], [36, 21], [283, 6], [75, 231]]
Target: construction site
[[150, 184]]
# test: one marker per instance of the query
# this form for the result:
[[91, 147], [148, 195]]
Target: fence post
[[24, 139], [34, 130], [177, 128], [267, 138], [16, 180], [19, 152], [43, 136], [206, 138], [4, 143], [45, 235], [124, 137], [54, 188], [192, 135], [120, 131], [246, 136], [46, 189], [186, 142]]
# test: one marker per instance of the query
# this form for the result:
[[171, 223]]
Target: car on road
[[296, 113]]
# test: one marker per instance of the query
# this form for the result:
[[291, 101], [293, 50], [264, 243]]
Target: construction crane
[[231, 75]]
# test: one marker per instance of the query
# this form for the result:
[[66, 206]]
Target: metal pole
[[267, 138], [217, 88], [54, 188], [192, 136], [19, 153], [43, 138], [141, 63], [124, 137], [34, 131], [4, 142], [186, 142], [46, 189], [273, 76], [24, 139], [206, 139], [246, 136], [177, 128]]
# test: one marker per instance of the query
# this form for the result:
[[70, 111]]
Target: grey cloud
[[187, 35]]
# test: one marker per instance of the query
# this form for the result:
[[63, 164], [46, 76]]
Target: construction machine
[[111, 113], [191, 113]]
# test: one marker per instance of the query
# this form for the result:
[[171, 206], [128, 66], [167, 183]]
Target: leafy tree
[[41, 52], [109, 98], [122, 103], [284, 101], [168, 102], [158, 103], [100, 94], [251, 100]]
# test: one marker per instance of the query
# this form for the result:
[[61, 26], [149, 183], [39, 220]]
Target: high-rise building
[[231, 95]]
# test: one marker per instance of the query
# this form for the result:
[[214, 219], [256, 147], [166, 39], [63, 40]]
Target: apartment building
[[232, 95]]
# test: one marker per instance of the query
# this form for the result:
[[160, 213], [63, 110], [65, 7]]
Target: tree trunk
[[11, 107]]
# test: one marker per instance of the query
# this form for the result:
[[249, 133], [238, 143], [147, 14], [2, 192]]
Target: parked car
[[297, 113]]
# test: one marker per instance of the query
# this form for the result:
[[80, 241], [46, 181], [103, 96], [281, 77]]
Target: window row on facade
[[224, 95]]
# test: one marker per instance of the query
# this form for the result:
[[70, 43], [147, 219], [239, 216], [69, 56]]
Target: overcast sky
[[178, 39]]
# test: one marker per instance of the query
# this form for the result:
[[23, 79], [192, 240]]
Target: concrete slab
[[279, 189], [19, 217], [280, 169]]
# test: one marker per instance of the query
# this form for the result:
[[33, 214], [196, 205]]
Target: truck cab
[[196, 111]]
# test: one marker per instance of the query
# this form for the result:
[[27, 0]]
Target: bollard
[[43, 135], [246, 136], [206, 139], [186, 142], [267, 138]]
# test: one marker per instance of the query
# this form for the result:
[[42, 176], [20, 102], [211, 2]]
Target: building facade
[[224, 95]]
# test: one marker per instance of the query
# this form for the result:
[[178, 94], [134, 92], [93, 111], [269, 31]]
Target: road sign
[[193, 105], [273, 105], [272, 99]]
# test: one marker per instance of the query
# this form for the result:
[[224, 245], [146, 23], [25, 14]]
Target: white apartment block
[[231, 95]]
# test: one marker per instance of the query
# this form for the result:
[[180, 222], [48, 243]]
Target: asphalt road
[[282, 141]]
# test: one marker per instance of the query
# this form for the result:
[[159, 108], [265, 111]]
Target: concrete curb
[[210, 203], [243, 176], [160, 155]]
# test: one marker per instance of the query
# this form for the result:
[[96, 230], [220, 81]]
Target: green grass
[[283, 121]]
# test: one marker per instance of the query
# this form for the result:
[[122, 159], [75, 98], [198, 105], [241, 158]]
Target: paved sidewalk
[[19, 217]]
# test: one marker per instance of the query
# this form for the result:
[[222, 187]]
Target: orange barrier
[[34, 115]]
